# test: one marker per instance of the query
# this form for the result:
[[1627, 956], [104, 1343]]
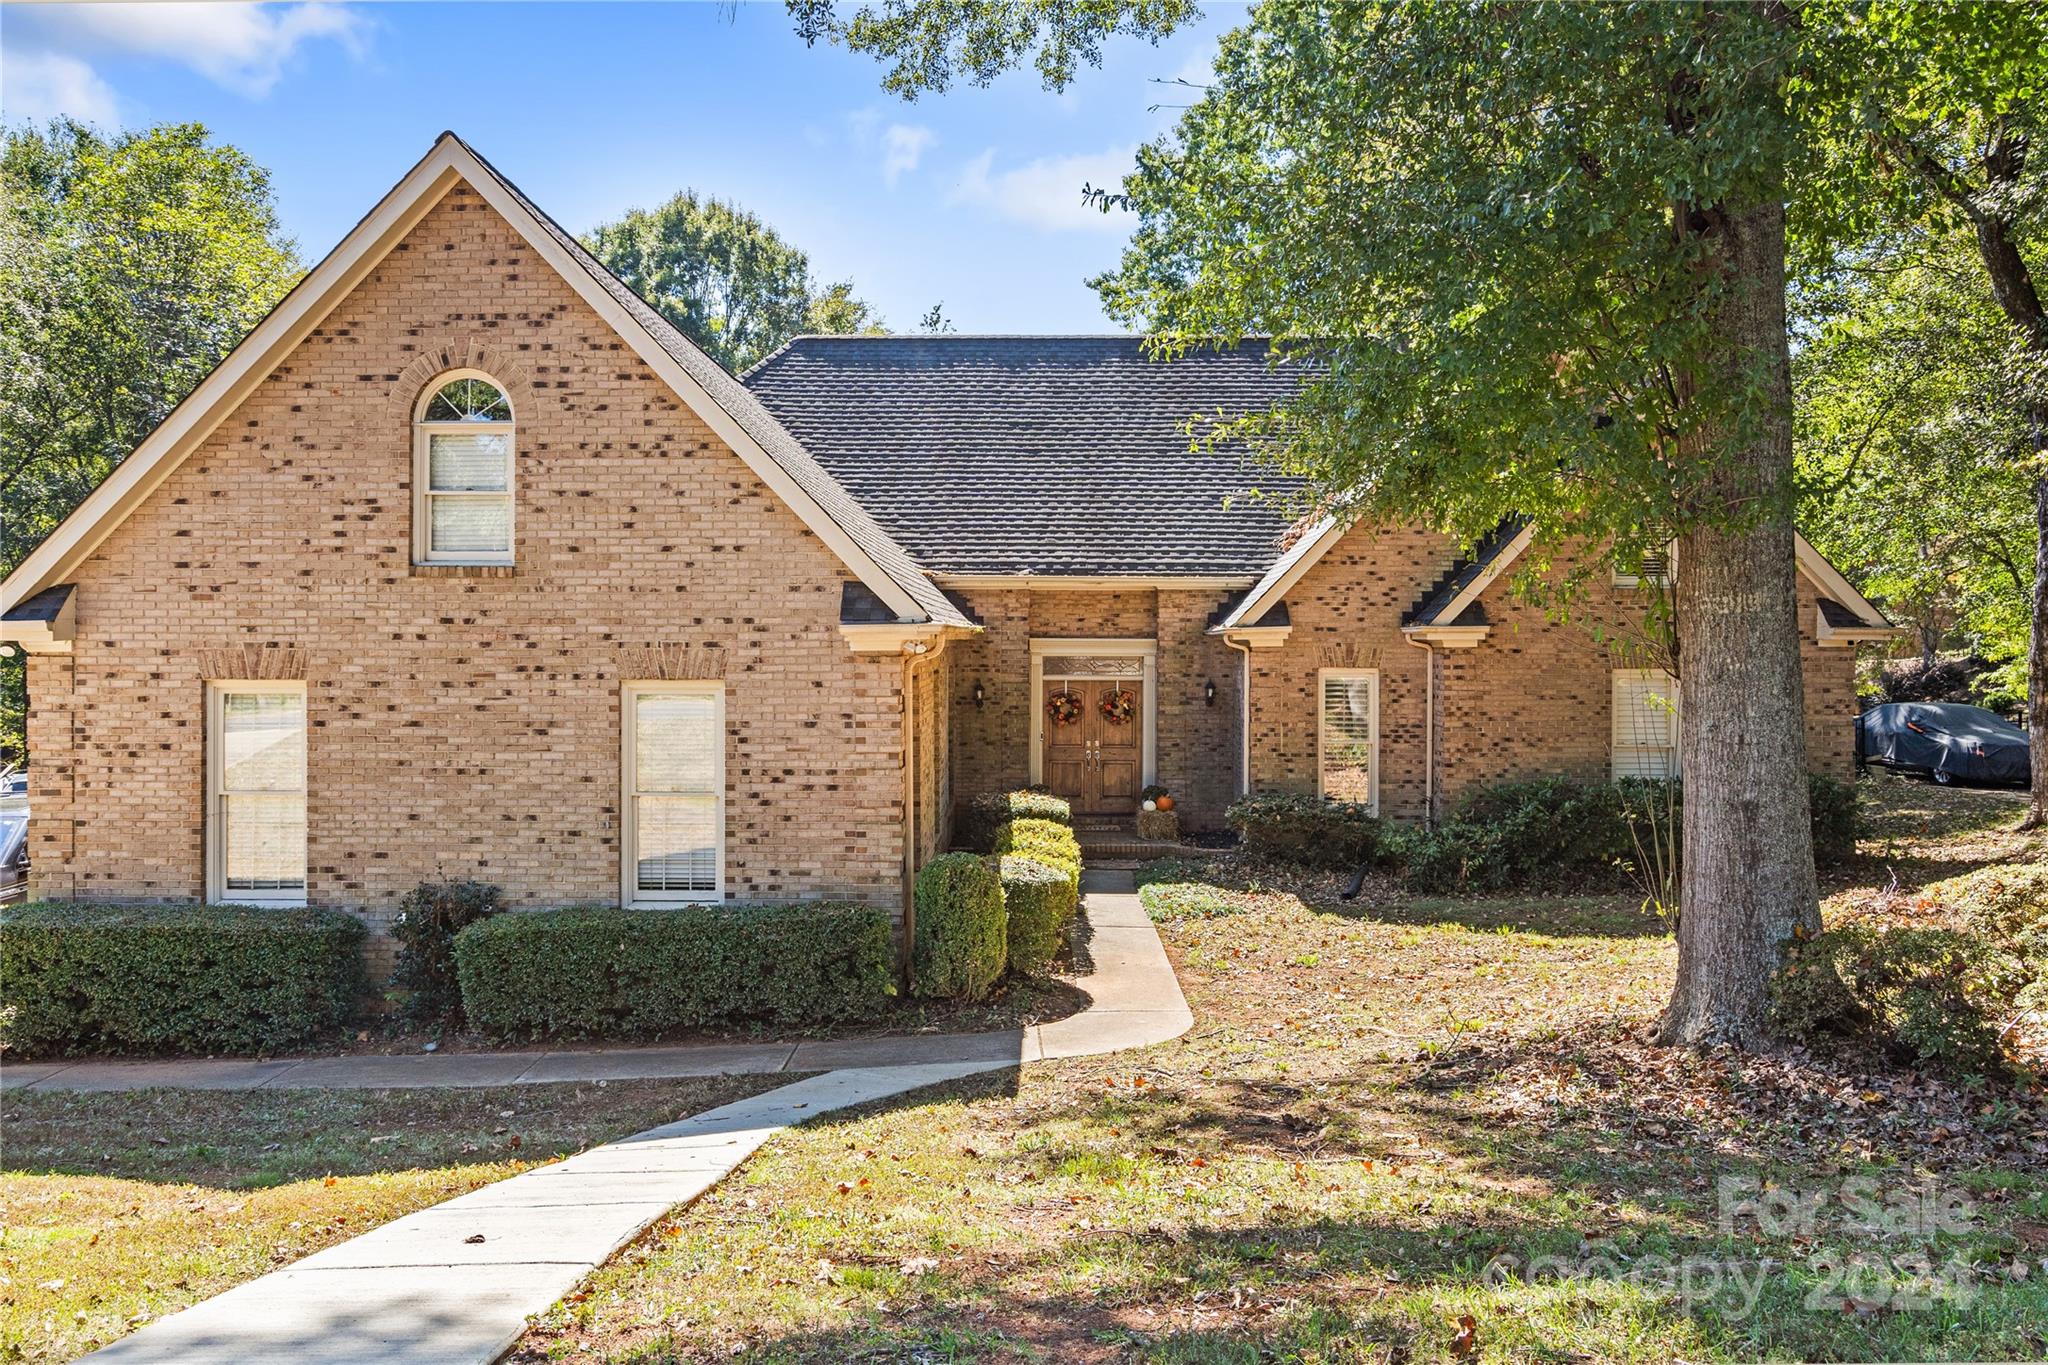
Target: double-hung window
[[462, 473], [1645, 724], [674, 778], [1348, 735], [256, 793]]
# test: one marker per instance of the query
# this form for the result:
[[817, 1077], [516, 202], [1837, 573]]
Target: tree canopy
[[727, 280], [129, 265]]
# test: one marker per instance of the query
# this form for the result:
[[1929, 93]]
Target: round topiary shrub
[[1040, 901], [960, 943]]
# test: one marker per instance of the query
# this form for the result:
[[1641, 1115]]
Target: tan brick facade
[[465, 724]]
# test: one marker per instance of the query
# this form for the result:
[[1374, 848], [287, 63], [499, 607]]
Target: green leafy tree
[[1540, 254], [726, 279], [1911, 437], [129, 265], [1933, 114]]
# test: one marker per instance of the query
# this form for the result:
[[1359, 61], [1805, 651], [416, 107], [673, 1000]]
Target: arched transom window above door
[[463, 472]]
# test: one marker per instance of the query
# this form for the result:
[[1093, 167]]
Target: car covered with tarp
[[1947, 741]]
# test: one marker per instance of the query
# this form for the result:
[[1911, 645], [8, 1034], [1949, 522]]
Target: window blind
[[1645, 725], [678, 806], [261, 792], [1348, 738]]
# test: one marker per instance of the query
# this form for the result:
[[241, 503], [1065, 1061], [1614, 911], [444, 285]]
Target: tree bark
[[1748, 844], [2037, 643]]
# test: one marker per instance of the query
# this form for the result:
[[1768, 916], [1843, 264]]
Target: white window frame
[[217, 692], [423, 551], [1661, 578], [1614, 747], [1373, 774], [630, 894]]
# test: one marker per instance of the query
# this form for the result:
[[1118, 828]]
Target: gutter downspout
[[911, 652], [1244, 723], [1428, 731]]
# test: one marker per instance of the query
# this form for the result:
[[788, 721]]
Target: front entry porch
[[1094, 724]]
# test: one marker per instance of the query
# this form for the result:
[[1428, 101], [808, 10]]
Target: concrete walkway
[[1133, 992], [455, 1284]]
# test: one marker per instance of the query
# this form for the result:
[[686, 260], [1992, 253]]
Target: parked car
[[1946, 741], [13, 836]]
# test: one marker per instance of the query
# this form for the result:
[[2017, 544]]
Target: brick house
[[465, 563]]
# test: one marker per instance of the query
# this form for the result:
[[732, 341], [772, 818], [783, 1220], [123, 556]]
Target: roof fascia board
[[1094, 582], [1448, 637], [1286, 572], [230, 382], [1484, 579], [1254, 637], [253, 359]]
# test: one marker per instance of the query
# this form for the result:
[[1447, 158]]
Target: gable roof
[[1453, 600], [775, 456], [1053, 455]]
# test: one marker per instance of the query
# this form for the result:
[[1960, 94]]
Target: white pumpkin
[[1151, 805]]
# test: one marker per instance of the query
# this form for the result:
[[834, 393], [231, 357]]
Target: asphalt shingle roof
[[844, 509], [1039, 455]]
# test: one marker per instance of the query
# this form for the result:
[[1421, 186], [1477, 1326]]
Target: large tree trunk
[[2037, 642], [1748, 842]]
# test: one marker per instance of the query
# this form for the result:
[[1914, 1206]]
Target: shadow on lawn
[[1594, 915]]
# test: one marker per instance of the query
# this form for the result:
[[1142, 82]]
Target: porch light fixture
[[1209, 692], [980, 696]]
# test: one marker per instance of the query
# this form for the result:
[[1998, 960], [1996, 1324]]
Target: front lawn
[[1391, 1117], [116, 1209]]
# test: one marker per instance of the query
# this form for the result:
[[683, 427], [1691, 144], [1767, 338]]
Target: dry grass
[[1377, 1102], [116, 1209]]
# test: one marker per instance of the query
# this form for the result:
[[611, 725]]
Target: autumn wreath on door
[[1119, 706], [1063, 708]]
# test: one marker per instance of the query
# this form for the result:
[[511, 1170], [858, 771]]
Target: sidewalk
[[1135, 1000], [455, 1284]]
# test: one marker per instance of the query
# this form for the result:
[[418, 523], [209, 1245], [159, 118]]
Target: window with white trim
[[674, 781], [1348, 735], [462, 472], [1645, 724], [1653, 567], [256, 793]]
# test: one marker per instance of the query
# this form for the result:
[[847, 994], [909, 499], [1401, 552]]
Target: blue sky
[[971, 198]]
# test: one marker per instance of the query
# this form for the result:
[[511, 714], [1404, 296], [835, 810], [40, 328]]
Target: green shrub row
[[981, 818], [1931, 996], [960, 946], [175, 978], [1040, 900], [612, 973], [1297, 828], [428, 919]]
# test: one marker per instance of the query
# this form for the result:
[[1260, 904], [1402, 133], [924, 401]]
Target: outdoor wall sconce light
[[1209, 692], [980, 697]]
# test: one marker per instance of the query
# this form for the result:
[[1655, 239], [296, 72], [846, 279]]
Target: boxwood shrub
[[1039, 900], [175, 978], [960, 944], [982, 817], [603, 972], [1296, 828], [1044, 841]]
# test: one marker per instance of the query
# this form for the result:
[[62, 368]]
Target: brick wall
[[466, 725]]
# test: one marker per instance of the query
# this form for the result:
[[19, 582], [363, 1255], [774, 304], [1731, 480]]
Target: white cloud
[[243, 47], [903, 146], [41, 85], [1046, 193]]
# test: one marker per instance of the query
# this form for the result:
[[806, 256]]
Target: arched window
[[462, 472]]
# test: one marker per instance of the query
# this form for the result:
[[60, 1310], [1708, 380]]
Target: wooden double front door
[[1095, 762]]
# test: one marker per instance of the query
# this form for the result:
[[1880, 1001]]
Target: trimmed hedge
[[602, 972], [984, 816], [1039, 900], [428, 919], [1044, 841], [1923, 995], [1294, 828], [175, 978], [959, 947]]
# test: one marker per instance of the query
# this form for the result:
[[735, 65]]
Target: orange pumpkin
[[1165, 803]]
